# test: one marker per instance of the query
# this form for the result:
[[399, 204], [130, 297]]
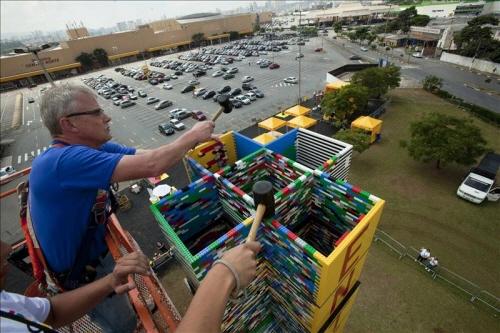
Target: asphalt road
[[471, 86]]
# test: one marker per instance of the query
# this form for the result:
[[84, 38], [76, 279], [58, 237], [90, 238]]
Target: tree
[[445, 139], [337, 27], [362, 33], [233, 35], [483, 19], [420, 20], [86, 59], [360, 140], [197, 39], [432, 83], [378, 80], [345, 103], [293, 28], [101, 56], [476, 41]]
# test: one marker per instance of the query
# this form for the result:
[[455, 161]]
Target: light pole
[[34, 51], [299, 55]]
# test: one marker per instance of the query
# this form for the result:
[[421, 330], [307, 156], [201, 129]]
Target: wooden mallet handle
[[217, 115], [259, 214]]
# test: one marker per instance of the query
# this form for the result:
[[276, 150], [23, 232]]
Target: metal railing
[[475, 293]]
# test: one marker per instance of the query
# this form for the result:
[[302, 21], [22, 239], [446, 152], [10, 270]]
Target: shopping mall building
[[148, 40]]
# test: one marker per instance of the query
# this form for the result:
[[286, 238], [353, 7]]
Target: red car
[[319, 49], [274, 66], [198, 115]]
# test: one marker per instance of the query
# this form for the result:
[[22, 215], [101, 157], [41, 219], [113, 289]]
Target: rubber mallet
[[263, 197], [225, 106]]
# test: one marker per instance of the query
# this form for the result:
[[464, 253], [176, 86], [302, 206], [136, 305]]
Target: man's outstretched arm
[[70, 306]]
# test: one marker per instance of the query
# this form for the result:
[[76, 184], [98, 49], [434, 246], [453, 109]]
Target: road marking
[[19, 159], [25, 157], [153, 139], [131, 140]]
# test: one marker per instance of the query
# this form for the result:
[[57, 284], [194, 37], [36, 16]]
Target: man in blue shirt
[[69, 187]]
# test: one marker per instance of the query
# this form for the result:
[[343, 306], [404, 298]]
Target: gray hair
[[58, 102]]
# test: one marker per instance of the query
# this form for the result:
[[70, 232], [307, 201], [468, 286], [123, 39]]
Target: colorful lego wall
[[314, 247]]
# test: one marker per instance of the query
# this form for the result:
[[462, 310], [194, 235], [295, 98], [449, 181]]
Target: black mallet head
[[225, 106], [263, 194]]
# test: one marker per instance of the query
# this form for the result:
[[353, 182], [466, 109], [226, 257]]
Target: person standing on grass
[[432, 264], [423, 255]]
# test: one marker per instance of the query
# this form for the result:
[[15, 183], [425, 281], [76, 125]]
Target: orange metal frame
[[118, 238]]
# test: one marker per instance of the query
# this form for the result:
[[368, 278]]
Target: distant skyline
[[23, 17]]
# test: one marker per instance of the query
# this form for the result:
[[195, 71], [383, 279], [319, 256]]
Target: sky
[[26, 16]]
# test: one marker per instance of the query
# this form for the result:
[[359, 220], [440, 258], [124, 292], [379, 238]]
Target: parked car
[[5, 172], [217, 73], [364, 49], [258, 93], [200, 92], [299, 55], [355, 57], [167, 86], [163, 104], [247, 79], [248, 86], [198, 115], [233, 70], [290, 79], [236, 103], [187, 89], [177, 124], [243, 99], [132, 96], [31, 100], [117, 102], [141, 93], [166, 129], [228, 76], [416, 55], [209, 94], [179, 113], [236, 92], [194, 82], [126, 104], [152, 100], [251, 96], [274, 66], [224, 90], [318, 49]]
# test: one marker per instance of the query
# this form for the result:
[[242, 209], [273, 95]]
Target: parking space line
[[25, 157], [19, 159]]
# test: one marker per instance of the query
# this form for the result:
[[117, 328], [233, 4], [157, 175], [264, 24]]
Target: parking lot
[[138, 125]]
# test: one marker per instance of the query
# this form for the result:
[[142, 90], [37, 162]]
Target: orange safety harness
[[82, 271]]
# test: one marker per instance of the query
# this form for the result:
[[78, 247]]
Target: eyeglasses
[[97, 112]]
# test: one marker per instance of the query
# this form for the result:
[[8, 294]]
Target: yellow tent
[[372, 125], [272, 124], [302, 122], [332, 86], [265, 138], [298, 110]]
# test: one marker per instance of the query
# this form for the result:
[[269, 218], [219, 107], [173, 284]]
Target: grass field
[[422, 209]]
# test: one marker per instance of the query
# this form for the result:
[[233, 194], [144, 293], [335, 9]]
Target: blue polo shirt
[[63, 185]]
